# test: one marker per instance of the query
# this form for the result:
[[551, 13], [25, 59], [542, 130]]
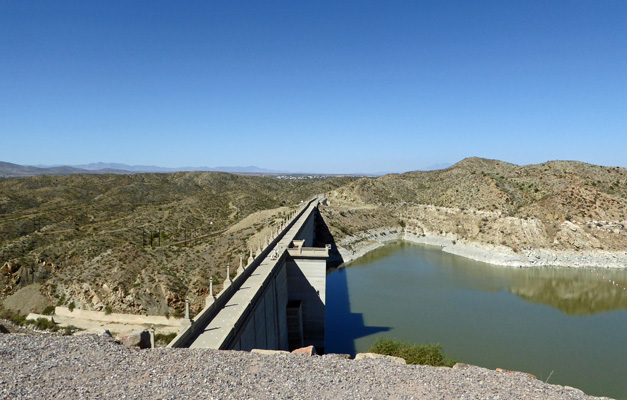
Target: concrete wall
[[266, 326], [251, 312], [307, 232], [306, 281], [297, 279]]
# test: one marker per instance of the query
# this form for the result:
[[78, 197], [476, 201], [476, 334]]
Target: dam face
[[276, 302]]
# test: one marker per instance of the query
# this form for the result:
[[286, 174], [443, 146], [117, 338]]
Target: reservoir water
[[567, 325]]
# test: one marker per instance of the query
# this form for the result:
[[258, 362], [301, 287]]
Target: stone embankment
[[96, 367], [357, 245]]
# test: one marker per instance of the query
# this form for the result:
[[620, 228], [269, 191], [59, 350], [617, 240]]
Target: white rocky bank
[[354, 246]]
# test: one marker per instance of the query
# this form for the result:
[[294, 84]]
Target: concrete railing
[[214, 305], [309, 252]]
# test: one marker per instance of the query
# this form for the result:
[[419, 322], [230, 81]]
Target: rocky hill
[[558, 205], [136, 243]]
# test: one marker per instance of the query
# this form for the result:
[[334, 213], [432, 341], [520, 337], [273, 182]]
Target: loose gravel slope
[[92, 367]]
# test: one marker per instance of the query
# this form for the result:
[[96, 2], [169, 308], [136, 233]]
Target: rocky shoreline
[[354, 246], [96, 367]]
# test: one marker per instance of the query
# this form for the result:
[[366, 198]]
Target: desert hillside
[[559, 205], [136, 243]]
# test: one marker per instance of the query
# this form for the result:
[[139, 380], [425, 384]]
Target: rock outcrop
[[139, 339]]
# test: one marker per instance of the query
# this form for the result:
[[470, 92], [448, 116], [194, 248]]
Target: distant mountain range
[[9, 170], [153, 168]]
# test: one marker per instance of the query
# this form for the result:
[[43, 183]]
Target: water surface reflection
[[566, 322], [575, 291]]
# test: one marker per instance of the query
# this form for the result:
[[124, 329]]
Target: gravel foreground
[[96, 367]]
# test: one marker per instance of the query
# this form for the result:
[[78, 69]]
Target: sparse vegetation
[[178, 313], [424, 354], [14, 317], [42, 324], [185, 216], [489, 201], [49, 310], [164, 338]]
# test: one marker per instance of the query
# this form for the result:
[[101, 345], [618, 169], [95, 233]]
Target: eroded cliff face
[[565, 213], [482, 227]]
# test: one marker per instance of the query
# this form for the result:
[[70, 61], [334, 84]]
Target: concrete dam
[[276, 301]]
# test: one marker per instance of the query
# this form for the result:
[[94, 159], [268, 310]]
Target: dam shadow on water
[[344, 327]]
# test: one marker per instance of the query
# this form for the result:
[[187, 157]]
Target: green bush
[[108, 310], [44, 325], [164, 338], [70, 330], [48, 310], [425, 354], [16, 318], [71, 306]]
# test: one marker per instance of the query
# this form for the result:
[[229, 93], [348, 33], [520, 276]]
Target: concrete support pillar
[[151, 331], [251, 258], [187, 321], [228, 281], [259, 249], [211, 298], [240, 270]]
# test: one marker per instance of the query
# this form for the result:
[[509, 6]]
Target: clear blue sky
[[313, 86]]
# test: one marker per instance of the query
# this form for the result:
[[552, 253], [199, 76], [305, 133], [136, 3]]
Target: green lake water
[[565, 324]]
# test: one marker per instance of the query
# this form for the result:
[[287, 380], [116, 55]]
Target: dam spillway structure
[[276, 301]]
